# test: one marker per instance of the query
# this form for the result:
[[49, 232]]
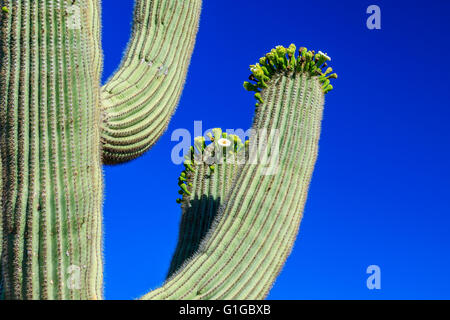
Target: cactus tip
[[281, 59]]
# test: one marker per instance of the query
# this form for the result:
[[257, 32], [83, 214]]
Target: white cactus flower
[[224, 142]]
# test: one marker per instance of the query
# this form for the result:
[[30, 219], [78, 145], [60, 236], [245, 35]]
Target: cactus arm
[[258, 222], [207, 186], [198, 213], [140, 98], [50, 152]]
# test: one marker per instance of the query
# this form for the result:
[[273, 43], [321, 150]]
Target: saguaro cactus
[[58, 125]]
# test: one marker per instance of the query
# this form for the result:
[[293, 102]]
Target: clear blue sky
[[380, 191]]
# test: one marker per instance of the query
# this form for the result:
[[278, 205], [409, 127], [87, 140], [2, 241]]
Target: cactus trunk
[[50, 152]]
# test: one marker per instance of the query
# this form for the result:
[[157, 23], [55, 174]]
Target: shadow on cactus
[[58, 126]]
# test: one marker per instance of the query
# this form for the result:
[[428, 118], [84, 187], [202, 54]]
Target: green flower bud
[[329, 70], [185, 189], [291, 50], [258, 97], [263, 61], [281, 51], [328, 89], [271, 56], [266, 72], [257, 71], [188, 166], [333, 76]]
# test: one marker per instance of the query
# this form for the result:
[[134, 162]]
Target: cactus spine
[[58, 125]]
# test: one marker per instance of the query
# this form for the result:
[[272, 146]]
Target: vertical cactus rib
[[2, 295], [4, 229], [258, 222], [139, 100], [51, 186], [44, 205]]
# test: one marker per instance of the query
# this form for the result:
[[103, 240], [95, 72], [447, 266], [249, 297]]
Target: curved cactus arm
[[258, 222], [204, 183], [140, 98]]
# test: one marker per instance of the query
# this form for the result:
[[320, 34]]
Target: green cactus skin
[[58, 125]]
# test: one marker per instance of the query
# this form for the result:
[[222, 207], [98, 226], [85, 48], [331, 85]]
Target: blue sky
[[380, 191]]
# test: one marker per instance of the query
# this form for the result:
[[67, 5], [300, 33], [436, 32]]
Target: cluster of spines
[[222, 146], [281, 59]]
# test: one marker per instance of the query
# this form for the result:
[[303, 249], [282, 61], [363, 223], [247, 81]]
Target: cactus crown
[[223, 148], [281, 59]]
